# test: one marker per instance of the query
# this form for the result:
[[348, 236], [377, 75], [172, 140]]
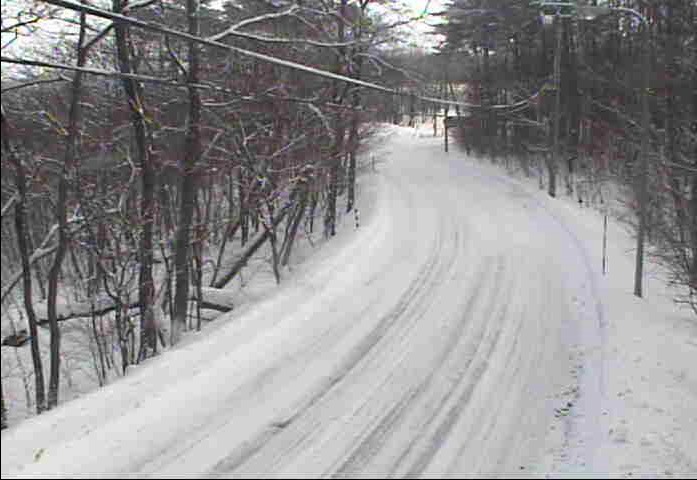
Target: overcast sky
[[420, 28]]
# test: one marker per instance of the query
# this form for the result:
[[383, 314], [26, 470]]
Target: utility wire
[[172, 83], [157, 28]]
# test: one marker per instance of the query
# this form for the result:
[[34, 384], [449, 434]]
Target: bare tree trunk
[[353, 142], [313, 208], [642, 180], [692, 222], [553, 159], [38, 271], [251, 249], [271, 229], [197, 257], [685, 206], [243, 190], [293, 231], [447, 109], [356, 101], [693, 232], [229, 233], [231, 199], [134, 92], [3, 410], [339, 132], [21, 228], [167, 304], [121, 313], [412, 111], [188, 188], [571, 102], [68, 171], [330, 216], [95, 274]]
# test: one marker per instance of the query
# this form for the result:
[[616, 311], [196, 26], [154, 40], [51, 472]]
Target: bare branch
[[38, 254], [34, 83], [407, 74], [154, 27], [314, 43], [249, 21], [322, 117], [21, 24], [139, 4], [10, 203]]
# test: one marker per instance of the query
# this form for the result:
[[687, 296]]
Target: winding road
[[438, 339]]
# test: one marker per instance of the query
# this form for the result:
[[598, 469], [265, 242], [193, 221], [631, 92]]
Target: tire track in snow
[[455, 402], [430, 282], [373, 233], [416, 383], [411, 298], [593, 383], [581, 437], [370, 446]]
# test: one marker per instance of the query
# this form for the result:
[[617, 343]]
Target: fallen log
[[213, 299], [71, 310], [251, 250]]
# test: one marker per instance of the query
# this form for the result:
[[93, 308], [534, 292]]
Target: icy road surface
[[436, 340]]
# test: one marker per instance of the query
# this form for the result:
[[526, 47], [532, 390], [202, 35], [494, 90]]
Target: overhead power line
[[103, 73], [157, 28], [264, 96]]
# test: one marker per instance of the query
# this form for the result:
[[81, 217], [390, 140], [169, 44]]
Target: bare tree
[[188, 187], [67, 173], [21, 233], [136, 104]]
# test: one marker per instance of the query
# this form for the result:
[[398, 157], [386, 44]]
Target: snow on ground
[[649, 359], [80, 364], [645, 355], [464, 329]]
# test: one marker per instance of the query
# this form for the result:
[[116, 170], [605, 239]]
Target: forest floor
[[464, 329]]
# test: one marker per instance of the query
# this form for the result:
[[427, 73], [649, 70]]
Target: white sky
[[418, 5], [420, 28]]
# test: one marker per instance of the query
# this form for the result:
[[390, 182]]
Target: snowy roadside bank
[[648, 354]]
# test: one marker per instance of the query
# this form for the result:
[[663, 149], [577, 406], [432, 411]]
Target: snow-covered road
[[439, 339]]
